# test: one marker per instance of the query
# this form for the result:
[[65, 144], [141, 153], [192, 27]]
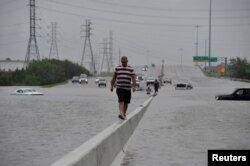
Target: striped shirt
[[124, 76]]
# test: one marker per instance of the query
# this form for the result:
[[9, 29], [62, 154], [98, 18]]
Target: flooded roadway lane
[[38, 130], [181, 125]]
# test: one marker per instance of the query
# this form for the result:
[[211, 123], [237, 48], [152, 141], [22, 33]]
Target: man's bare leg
[[125, 108], [121, 107]]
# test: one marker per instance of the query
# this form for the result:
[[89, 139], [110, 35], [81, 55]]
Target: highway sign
[[204, 59]]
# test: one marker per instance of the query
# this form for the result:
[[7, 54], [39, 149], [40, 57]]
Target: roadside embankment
[[108, 147]]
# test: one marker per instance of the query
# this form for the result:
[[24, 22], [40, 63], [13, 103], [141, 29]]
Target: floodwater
[[38, 130], [177, 129], [180, 126]]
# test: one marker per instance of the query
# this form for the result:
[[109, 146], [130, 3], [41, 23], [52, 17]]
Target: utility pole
[[209, 42], [205, 52], [87, 41], [197, 40], [111, 65], [162, 68], [32, 49], [53, 47]]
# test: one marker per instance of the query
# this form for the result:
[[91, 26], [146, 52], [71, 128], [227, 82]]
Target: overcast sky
[[147, 31]]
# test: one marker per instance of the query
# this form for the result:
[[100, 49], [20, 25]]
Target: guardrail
[[108, 147]]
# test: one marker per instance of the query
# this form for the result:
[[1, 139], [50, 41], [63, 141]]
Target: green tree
[[18, 76], [5, 78], [45, 72], [238, 66], [72, 69]]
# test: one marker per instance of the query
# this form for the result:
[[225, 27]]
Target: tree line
[[239, 68], [44, 72]]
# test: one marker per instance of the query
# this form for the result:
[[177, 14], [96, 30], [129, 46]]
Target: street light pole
[[197, 40], [205, 52], [209, 42]]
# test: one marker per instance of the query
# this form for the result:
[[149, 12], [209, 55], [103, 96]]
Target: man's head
[[124, 61]]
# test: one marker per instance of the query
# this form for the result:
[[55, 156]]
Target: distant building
[[12, 65]]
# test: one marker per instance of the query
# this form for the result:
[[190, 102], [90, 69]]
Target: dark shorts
[[123, 95]]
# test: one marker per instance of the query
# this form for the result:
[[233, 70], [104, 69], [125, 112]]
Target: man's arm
[[133, 82], [112, 82]]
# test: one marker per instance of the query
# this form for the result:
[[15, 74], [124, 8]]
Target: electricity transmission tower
[[107, 53], [105, 57], [53, 47], [87, 43], [32, 49]]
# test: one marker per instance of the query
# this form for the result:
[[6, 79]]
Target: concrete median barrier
[[108, 147]]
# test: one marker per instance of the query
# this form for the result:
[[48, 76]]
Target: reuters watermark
[[228, 157]]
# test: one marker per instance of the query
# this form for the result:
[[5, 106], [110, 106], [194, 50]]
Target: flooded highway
[[38, 130], [181, 125], [178, 128]]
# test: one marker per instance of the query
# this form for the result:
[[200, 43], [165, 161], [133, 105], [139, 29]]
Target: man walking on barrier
[[123, 75]]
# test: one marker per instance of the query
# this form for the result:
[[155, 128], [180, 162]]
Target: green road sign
[[204, 59], [213, 59]]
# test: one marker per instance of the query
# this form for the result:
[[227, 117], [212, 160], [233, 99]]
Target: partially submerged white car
[[26, 91]]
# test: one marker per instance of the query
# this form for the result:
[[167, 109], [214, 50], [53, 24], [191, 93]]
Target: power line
[[167, 9], [13, 33], [7, 2], [132, 22], [15, 24], [12, 10], [14, 42], [147, 16]]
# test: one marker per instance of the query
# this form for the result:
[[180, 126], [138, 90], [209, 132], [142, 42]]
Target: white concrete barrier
[[106, 148]]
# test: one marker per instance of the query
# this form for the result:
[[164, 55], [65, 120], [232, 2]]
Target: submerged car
[[26, 91], [83, 78], [150, 81], [183, 86], [75, 79], [102, 82], [238, 94], [167, 81]]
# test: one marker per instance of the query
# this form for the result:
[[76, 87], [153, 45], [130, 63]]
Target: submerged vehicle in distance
[[102, 82], [75, 79], [183, 86], [26, 91], [167, 81], [150, 81], [238, 94], [83, 78]]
